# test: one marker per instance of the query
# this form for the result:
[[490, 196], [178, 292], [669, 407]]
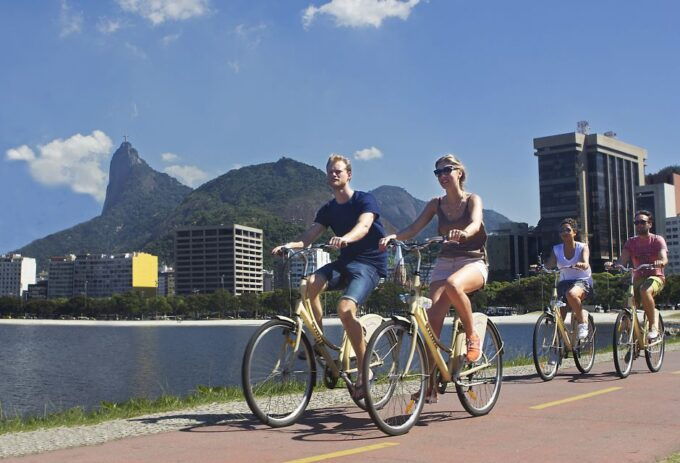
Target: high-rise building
[[673, 243], [166, 281], [591, 178], [102, 275], [669, 177], [659, 199], [316, 259], [16, 273], [508, 251], [214, 257]]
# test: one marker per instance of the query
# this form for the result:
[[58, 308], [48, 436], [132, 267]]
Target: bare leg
[[316, 284], [435, 315], [457, 286], [574, 297], [347, 310], [647, 298]]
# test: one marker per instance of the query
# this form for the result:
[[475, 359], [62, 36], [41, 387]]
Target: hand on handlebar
[[385, 242], [338, 242], [280, 250], [456, 236]]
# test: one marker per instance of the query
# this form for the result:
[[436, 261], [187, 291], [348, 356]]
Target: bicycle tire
[[622, 344], [546, 347], [479, 391], [277, 381], [584, 355], [654, 355], [395, 397]]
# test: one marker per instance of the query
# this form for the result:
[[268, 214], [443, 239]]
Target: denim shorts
[[356, 278], [564, 286]]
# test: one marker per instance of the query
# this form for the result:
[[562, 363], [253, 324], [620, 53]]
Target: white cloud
[[135, 50], [169, 157], [75, 162], [250, 35], [170, 38], [70, 22], [234, 66], [22, 153], [368, 153], [135, 111], [361, 13], [159, 11], [108, 26], [188, 175]]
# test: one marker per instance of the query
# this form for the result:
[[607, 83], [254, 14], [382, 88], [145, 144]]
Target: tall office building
[[16, 273], [673, 243], [591, 178], [315, 260], [659, 199], [166, 281], [213, 257], [508, 251], [101, 275]]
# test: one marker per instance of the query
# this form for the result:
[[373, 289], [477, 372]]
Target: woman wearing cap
[[461, 266]]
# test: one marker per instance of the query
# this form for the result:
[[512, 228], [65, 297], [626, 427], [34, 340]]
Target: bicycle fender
[[403, 320], [285, 319]]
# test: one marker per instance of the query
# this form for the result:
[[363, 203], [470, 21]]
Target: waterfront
[[48, 365]]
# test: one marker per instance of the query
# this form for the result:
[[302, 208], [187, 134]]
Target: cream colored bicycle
[[397, 360], [553, 341], [279, 370], [630, 335]]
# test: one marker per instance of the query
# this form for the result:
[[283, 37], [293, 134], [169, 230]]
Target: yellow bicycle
[[630, 335], [552, 341], [397, 361], [279, 370]]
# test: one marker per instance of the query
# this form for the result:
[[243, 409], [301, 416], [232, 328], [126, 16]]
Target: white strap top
[[563, 263]]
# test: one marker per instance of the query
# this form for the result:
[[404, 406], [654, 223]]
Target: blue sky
[[203, 86]]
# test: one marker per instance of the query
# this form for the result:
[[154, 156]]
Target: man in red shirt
[[646, 248]]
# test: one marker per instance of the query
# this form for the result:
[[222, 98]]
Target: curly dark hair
[[571, 222], [645, 212]]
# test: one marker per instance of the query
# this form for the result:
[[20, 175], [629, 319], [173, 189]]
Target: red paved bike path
[[639, 422]]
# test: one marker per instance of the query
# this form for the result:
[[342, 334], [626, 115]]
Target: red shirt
[[645, 250]]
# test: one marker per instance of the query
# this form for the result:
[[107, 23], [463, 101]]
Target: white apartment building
[[16, 273], [316, 259], [673, 242]]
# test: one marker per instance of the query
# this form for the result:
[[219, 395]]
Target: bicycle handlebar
[[413, 246], [633, 269]]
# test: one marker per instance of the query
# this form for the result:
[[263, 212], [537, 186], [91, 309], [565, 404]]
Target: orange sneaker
[[473, 349]]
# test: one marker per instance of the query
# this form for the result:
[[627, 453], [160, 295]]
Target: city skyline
[[217, 85]]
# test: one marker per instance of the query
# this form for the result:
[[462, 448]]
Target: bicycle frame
[[419, 321], [639, 332]]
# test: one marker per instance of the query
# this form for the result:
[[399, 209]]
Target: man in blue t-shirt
[[354, 217]]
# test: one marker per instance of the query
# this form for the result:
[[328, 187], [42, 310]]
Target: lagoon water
[[49, 367]]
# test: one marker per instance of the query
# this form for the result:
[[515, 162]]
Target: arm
[[662, 261], [624, 258], [551, 262], [308, 236], [585, 258], [413, 229], [359, 230]]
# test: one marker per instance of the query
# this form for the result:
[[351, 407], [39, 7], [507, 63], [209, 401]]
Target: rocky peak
[[123, 162]]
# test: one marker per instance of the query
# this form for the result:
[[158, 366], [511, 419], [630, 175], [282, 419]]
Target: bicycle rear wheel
[[479, 391], [546, 347], [654, 353], [278, 380], [584, 355], [396, 395], [623, 344]]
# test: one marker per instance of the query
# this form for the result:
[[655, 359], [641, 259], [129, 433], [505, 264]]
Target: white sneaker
[[653, 334], [582, 331]]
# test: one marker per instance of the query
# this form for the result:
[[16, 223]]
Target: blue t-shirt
[[343, 217]]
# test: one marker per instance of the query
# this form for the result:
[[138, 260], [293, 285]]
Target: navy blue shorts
[[564, 286], [356, 278]]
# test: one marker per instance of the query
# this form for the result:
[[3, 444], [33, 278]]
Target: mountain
[[137, 198], [400, 209]]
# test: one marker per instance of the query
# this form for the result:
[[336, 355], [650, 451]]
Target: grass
[[675, 458], [107, 411]]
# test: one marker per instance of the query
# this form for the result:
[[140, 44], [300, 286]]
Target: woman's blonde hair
[[451, 159], [333, 158]]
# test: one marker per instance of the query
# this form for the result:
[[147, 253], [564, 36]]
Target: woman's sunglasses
[[444, 170]]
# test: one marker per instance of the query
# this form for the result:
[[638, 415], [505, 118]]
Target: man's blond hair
[[333, 158]]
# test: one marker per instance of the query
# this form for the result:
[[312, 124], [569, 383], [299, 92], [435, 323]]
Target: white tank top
[[563, 263]]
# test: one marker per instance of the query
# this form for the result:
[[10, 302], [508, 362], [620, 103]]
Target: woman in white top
[[576, 281]]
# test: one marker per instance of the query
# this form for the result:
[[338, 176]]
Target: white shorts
[[444, 267]]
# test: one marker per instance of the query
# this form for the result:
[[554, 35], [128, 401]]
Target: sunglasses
[[444, 170], [565, 230], [640, 222]]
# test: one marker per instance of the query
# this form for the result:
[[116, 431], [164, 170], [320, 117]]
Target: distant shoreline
[[510, 320]]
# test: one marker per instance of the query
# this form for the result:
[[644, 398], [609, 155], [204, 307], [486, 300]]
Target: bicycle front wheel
[[584, 356], [396, 394], [655, 350], [623, 343], [479, 391], [546, 347], [277, 379]]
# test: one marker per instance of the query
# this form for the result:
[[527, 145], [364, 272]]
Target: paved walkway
[[602, 419]]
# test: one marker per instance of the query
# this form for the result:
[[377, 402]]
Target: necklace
[[454, 210]]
